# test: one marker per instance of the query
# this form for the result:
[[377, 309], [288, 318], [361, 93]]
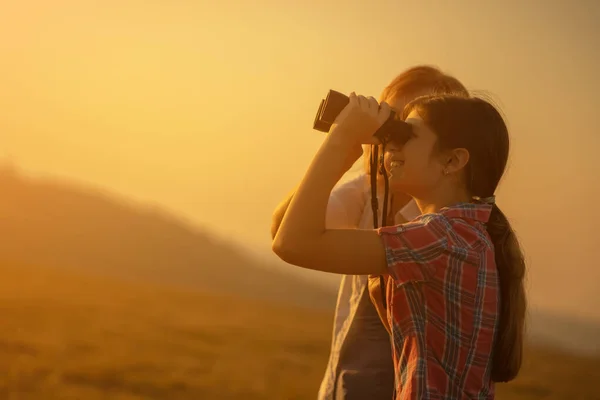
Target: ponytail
[[507, 355]]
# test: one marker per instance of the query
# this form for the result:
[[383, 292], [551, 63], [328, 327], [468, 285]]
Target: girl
[[455, 294], [360, 363]]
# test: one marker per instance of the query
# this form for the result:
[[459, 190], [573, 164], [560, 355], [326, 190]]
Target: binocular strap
[[377, 166]]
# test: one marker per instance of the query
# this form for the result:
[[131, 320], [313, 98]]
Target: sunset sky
[[206, 108]]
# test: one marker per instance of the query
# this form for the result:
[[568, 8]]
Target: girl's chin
[[395, 178], [396, 183]]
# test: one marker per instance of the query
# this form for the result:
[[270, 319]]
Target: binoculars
[[394, 130]]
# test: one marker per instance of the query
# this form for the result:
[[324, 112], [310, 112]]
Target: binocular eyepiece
[[393, 130]]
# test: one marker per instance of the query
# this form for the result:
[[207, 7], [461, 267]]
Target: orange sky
[[207, 109]]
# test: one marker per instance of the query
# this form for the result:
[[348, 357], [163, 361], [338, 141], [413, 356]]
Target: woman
[[455, 294], [360, 362]]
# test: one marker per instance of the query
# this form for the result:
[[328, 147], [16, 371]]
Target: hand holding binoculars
[[393, 130]]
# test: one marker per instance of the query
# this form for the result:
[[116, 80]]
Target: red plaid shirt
[[443, 301]]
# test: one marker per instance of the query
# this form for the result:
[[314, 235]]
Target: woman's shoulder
[[354, 187], [347, 202]]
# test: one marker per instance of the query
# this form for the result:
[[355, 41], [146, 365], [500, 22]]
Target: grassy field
[[65, 336]]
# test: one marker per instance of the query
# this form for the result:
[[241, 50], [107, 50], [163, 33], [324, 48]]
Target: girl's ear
[[456, 160]]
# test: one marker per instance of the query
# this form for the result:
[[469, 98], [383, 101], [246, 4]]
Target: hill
[[59, 224], [71, 336], [56, 224]]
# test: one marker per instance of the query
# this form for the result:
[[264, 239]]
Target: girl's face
[[417, 166], [397, 104], [392, 151]]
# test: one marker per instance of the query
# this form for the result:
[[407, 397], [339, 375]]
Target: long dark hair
[[476, 125]]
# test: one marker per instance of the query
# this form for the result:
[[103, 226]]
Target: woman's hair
[[413, 82], [477, 126]]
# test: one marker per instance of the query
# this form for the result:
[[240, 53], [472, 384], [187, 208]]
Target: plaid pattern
[[443, 301]]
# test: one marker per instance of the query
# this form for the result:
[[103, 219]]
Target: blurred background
[[145, 144]]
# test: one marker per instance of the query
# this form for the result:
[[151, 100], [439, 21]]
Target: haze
[[206, 109]]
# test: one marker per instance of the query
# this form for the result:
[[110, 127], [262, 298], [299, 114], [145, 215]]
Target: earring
[[445, 171]]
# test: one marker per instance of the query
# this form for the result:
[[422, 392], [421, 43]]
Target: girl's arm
[[279, 213], [302, 238], [344, 208], [404, 251]]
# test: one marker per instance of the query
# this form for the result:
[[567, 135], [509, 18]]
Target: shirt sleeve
[[346, 204], [411, 248]]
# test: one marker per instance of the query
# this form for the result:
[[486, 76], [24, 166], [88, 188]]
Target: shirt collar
[[477, 212]]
